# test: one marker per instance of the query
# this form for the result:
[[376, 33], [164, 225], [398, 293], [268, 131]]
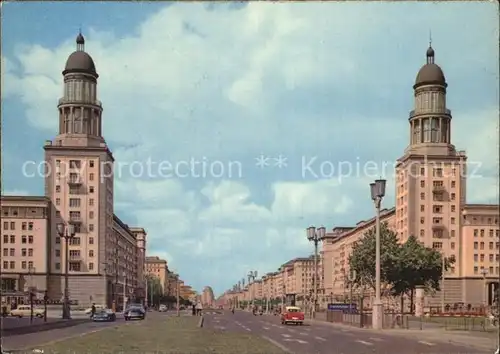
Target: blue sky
[[228, 83]]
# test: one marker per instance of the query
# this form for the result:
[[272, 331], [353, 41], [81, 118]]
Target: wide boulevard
[[324, 338]]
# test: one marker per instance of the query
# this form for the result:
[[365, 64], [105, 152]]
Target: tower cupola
[[80, 112], [430, 120]]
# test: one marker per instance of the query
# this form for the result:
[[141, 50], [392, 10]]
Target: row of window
[[24, 225], [491, 257], [480, 245], [438, 198], [12, 265], [12, 239], [486, 271], [490, 233], [75, 202], [25, 252], [75, 190], [75, 163]]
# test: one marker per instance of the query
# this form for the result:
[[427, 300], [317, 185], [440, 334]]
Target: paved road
[[324, 339], [17, 342]]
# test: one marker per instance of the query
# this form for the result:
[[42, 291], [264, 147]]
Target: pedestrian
[[199, 308], [92, 311], [194, 309]]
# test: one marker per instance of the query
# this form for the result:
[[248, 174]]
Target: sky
[[236, 126]]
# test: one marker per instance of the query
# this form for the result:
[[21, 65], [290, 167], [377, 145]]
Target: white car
[[25, 311], [163, 308]]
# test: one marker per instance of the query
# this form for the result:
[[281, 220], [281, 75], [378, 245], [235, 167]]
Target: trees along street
[[403, 266]]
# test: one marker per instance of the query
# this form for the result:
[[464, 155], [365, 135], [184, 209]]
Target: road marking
[[321, 339], [426, 343], [307, 329], [247, 329], [279, 345], [266, 328], [286, 335], [303, 334], [291, 330], [295, 340], [363, 342], [376, 339]]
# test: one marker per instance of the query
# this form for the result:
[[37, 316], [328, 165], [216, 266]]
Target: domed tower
[[430, 121], [79, 183], [430, 177], [80, 112]]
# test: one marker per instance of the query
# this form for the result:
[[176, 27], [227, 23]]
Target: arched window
[[435, 130], [416, 132], [66, 121], [427, 130], [77, 123]]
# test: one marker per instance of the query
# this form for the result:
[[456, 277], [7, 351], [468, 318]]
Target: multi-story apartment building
[[155, 266], [431, 204], [102, 251], [25, 228]]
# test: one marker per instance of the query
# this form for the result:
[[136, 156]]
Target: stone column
[[419, 301]]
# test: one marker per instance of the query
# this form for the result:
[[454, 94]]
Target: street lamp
[[315, 235], [67, 232], [124, 274], [484, 272], [31, 271], [377, 193]]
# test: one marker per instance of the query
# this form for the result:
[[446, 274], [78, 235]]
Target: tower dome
[[430, 73], [80, 61]]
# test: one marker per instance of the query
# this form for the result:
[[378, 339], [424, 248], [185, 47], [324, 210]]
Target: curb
[[41, 327], [200, 322]]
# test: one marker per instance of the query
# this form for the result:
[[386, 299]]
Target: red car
[[292, 314]]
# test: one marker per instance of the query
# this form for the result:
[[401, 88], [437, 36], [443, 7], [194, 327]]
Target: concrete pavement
[[315, 338]]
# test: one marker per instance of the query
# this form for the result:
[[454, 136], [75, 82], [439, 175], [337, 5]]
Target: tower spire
[[80, 41]]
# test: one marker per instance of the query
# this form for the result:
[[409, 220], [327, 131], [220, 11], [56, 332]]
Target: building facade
[[431, 204], [157, 267], [103, 253]]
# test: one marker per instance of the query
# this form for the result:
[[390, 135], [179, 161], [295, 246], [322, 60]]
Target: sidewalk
[[480, 340]]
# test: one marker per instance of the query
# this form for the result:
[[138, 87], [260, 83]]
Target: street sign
[[340, 306]]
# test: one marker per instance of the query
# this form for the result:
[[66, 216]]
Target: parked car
[[25, 311], [134, 311], [292, 314], [104, 315], [97, 308], [163, 308]]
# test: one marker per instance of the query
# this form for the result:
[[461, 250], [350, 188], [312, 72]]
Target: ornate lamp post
[[377, 190], [67, 232], [31, 271], [315, 235]]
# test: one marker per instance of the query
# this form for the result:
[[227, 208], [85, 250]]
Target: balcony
[[430, 111], [75, 258], [75, 219], [437, 226], [438, 189], [75, 181]]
